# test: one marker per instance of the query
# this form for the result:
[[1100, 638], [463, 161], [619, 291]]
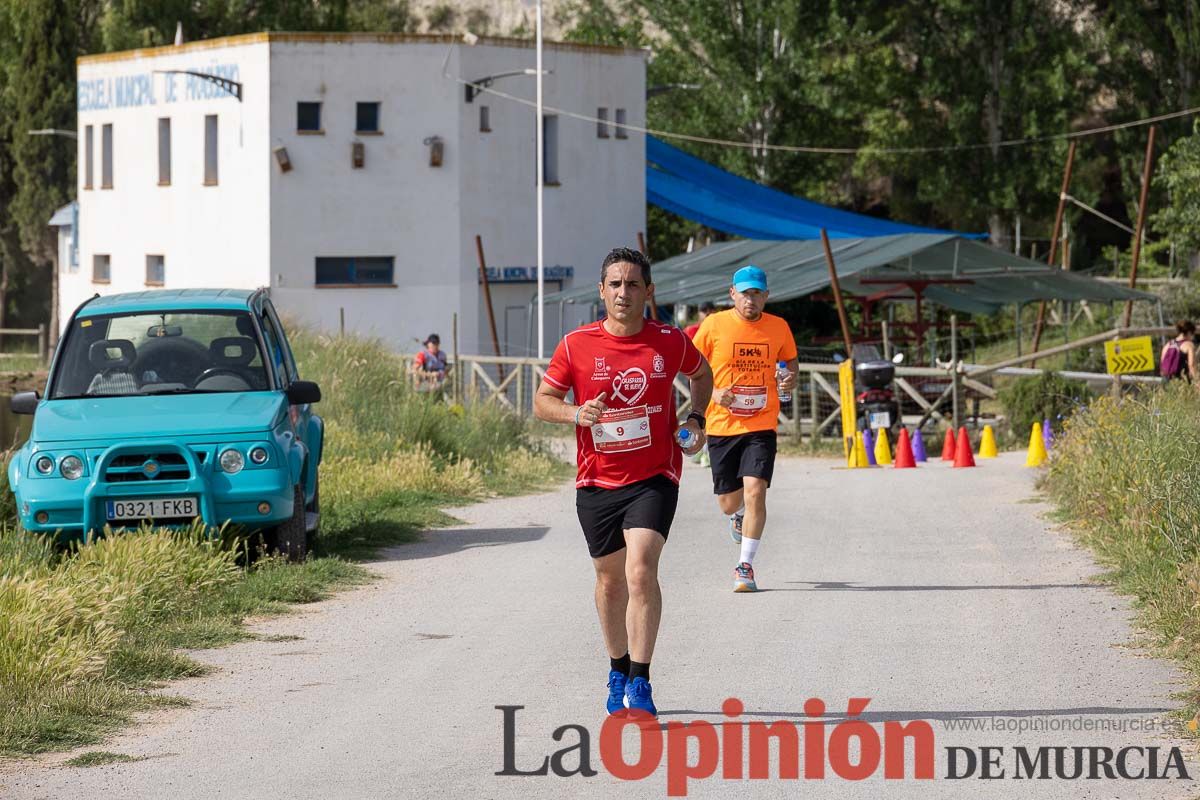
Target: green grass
[[98, 758], [1123, 474], [88, 635]]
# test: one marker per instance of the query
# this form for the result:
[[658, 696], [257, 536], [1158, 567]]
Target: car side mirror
[[298, 394], [24, 402], [898, 358]]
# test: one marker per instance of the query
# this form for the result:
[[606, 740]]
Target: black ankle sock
[[621, 664], [639, 670]]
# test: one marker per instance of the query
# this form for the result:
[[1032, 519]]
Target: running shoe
[[616, 691], [743, 578], [638, 696], [735, 527]]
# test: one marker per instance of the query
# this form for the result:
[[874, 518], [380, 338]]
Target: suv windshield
[[163, 353]]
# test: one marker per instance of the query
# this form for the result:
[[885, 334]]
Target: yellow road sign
[[1129, 355]]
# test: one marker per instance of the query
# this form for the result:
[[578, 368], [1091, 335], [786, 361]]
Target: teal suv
[[170, 406]]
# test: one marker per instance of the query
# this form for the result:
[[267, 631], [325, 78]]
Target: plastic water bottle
[[781, 374], [684, 437]]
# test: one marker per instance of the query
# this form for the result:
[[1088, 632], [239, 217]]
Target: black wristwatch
[[696, 415]]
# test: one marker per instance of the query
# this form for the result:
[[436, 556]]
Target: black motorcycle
[[875, 404]]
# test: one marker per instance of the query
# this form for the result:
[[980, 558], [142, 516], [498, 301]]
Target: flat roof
[[244, 39], [168, 300]]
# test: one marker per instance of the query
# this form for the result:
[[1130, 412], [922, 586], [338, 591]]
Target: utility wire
[[849, 151]]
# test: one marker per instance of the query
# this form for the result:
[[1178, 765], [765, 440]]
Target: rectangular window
[[101, 269], [602, 123], [485, 119], [308, 117], [621, 133], [210, 150], [164, 151], [106, 157], [550, 150], [355, 271], [156, 270], [366, 118], [87, 157]]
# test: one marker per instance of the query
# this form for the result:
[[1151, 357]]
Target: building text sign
[[154, 88]]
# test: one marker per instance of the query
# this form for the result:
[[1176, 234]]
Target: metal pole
[[954, 378], [1141, 225], [814, 406], [1018, 326], [837, 292], [487, 296], [1058, 219], [653, 303], [541, 177]]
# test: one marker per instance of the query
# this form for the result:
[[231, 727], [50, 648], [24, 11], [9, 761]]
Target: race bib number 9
[[621, 430], [748, 400]]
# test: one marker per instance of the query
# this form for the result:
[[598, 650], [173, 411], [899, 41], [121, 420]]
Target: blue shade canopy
[[696, 190], [865, 266]]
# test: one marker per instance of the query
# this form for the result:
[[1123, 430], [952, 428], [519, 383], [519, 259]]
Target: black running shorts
[[735, 457], [605, 514]]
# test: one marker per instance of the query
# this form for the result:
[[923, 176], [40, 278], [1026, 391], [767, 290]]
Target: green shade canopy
[[796, 268]]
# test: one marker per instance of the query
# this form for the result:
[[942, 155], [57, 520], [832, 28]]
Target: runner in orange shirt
[[743, 346]]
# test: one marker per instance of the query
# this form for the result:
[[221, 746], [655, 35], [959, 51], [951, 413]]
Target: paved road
[[940, 594]]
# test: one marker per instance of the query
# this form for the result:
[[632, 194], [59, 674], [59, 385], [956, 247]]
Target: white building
[[353, 175]]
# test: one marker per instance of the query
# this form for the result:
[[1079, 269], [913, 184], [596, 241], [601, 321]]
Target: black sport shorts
[[606, 514], [735, 457]]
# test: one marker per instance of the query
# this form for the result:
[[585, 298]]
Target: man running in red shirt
[[628, 442]]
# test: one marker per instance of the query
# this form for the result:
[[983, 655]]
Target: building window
[[210, 150], [156, 270], [164, 151], [366, 118], [550, 150], [106, 156], [602, 123], [621, 133], [101, 269], [87, 157], [485, 119], [308, 118], [355, 271]]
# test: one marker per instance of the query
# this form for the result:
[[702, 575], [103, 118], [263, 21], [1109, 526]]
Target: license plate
[[151, 508], [881, 419]]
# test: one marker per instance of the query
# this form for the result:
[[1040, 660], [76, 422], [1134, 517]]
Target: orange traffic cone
[[962, 453], [904, 453], [948, 446]]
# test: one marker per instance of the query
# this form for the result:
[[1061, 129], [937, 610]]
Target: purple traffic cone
[[918, 446], [1047, 434], [869, 443]]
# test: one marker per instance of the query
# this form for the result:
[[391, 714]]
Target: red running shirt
[[635, 439]]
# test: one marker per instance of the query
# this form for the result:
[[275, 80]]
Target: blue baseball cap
[[750, 277]]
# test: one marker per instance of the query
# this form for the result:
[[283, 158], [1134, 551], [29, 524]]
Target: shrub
[[1047, 396]]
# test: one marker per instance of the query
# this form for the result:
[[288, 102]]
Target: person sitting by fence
[[429, 366], [1178, 357]]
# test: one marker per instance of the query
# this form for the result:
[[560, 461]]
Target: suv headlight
[[232, 461], [44, 465], [258, 455], [71, 468]]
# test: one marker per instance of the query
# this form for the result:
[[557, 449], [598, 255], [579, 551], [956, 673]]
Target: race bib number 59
[[748, 400], [621, 430]]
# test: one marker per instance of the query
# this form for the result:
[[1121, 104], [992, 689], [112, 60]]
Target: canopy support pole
[[837, 293], [1141, 224], [1058, 219]]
